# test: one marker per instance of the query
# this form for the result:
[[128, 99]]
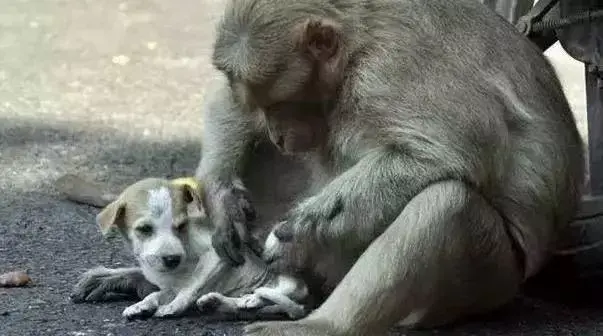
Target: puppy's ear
[[191, 191], [111, 217]]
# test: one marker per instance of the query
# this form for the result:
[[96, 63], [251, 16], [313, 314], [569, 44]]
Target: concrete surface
[[111, 90]]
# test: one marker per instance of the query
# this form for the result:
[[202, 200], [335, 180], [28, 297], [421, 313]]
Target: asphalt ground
[[110, 90]]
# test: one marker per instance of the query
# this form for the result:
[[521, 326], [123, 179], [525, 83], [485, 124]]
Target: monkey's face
[[296, 128], [272, 54]]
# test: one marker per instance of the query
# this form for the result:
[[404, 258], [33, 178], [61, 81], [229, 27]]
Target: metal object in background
[[578, 26], [511, 10]]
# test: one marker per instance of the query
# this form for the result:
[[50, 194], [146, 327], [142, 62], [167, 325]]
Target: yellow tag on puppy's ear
[[192, 191], [190, 182]]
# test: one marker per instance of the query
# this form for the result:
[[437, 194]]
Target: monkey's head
[[279, 52]]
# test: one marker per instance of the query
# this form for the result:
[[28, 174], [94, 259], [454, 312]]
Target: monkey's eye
[[145, 229]]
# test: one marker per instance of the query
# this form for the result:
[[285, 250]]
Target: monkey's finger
[[247, 208], [234, 254], [255, 246], [284, 232], [225, 245]]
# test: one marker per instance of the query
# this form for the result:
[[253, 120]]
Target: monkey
[[451, 164]]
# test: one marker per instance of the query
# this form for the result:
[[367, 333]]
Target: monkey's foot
[[296, 328]]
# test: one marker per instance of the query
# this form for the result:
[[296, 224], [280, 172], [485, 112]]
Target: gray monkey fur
[[452, 162]]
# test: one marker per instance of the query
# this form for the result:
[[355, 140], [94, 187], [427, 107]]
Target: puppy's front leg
[[147, 306], [207, 270], [282, 303]]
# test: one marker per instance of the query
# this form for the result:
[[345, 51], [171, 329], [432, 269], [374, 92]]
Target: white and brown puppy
[[164, 223]]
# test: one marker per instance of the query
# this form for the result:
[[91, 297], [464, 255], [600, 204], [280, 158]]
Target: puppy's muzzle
[[171, 261]]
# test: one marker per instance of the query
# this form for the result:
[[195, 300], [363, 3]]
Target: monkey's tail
[[78, 190]]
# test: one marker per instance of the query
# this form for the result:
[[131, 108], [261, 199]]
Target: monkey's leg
[[446, 256], [96, 284]]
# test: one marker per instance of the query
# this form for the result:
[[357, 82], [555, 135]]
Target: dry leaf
[[14, 279]]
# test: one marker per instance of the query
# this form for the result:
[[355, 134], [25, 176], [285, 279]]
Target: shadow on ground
[[55, 240]]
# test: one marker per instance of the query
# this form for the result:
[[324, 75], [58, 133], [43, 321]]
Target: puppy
[[164, 224]]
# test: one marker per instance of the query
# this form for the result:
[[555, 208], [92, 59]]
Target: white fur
[[160, 206]]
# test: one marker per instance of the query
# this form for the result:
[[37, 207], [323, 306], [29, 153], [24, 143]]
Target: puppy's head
[[156, 216]]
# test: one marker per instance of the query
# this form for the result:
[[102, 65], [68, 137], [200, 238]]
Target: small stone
[[121, 59], [151, 45], [34, 24]]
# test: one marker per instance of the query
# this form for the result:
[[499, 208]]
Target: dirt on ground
[[111, 90]]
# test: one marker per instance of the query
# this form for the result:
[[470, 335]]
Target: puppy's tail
[[81, 191]]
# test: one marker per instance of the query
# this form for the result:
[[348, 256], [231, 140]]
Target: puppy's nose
[[171, 261]]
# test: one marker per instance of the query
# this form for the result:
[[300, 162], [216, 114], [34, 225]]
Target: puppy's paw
[[250, 301], [210, 302], [172, 309], [139, 310]]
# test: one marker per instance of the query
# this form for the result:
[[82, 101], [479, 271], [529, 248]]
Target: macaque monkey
[[451, 158], [449, 164]]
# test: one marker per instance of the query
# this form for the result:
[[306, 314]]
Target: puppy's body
[[164, 224]]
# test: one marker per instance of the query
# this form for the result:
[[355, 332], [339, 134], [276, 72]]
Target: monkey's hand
[[231, 210], [355, 207], [293, 241]]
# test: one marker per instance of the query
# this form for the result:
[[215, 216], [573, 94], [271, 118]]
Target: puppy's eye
[[144, 230], [182, 225]]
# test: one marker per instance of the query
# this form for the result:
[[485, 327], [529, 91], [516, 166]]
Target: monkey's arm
[[228, 135], [358, 205]]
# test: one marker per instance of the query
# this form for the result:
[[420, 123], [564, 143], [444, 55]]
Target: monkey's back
[[474, 94]]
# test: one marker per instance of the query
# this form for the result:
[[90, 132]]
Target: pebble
[[121, 59]]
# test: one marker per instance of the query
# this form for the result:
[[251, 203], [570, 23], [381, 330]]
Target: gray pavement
[[110, 90]]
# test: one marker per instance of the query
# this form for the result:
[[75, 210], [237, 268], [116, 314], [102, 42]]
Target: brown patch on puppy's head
[[121, 213], [133, 202]]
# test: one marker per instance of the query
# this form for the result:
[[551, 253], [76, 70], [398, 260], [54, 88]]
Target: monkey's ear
[[111, 217], [321, 38]]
